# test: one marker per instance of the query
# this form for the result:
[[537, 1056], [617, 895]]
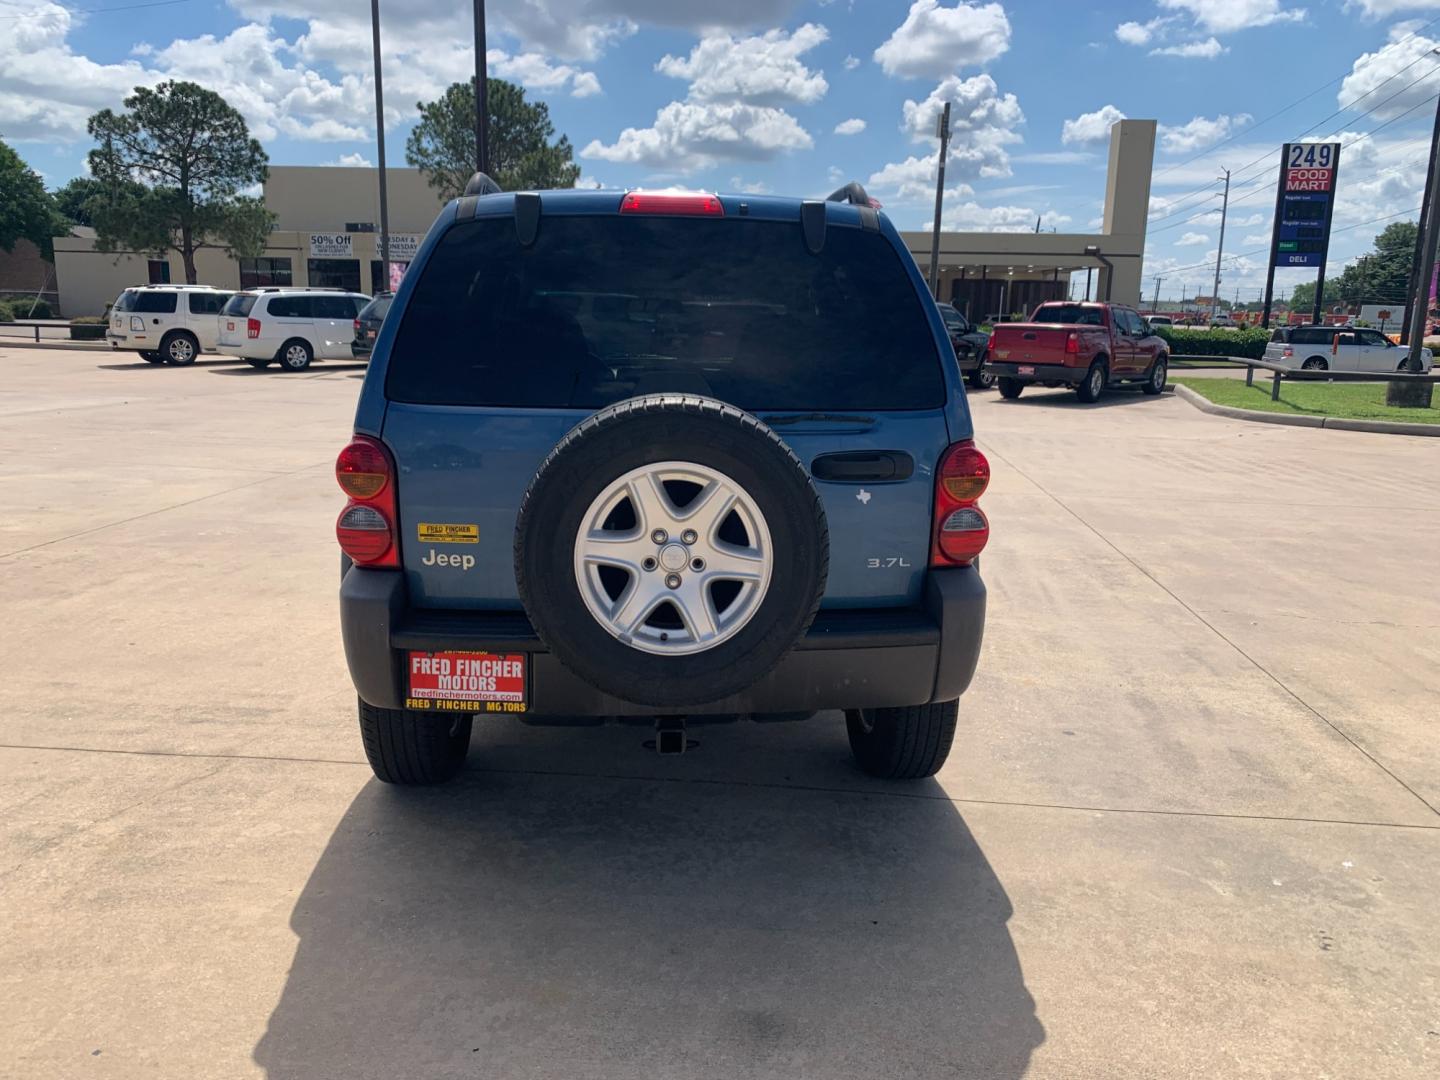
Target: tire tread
[[409, 749]]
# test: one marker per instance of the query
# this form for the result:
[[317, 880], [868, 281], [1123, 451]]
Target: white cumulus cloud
[[763, 69], [935, 40], [1191, 239], [689, 135], [1200, 132], [853, 126], [1207, 49], [1090, 128]]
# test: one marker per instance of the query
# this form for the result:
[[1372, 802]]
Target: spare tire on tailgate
[[670, 550]]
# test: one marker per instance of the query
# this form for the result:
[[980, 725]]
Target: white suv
[[166, 324], [292, 326]]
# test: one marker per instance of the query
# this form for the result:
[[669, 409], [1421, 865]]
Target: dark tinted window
[[155, 302], [291, 307], [255, 272], [239, 304], [1071, 314], [604, 308], [376, 309], [158, 271], [333, 307], [334, 274], [1311, 335], [125, 301], [207, 303], [1374, 337]]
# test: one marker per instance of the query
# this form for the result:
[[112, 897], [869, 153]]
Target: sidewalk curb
[[1335, 423]]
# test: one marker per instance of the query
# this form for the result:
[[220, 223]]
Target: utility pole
[[1419, 394], [1424, 215], [942, 132], [1155, 303], [1220, 248], [383, 285], [482, 104], [1088, 270]]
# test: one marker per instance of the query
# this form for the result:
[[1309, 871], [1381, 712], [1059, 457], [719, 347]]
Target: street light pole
[[1419, 394], [942, 129], [482, 105], [384, 285]]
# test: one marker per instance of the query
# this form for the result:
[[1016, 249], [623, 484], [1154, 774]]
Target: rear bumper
[[361, 350], [1041, 373], [851, 659]]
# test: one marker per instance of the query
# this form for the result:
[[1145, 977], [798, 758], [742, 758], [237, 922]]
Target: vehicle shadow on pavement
[[572, 924], [142, 365], [1059, 398]]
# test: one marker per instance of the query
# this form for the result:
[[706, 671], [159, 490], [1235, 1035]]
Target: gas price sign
[[1303, 210]]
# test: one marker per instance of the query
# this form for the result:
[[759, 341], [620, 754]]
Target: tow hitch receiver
[[670, 735]]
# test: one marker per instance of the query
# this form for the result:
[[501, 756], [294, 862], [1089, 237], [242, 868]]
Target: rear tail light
[[357, 327], [1072, 343], [1287, 352], [367, 529], [961, 528], [677, 203], [252, 328], [990, 342]]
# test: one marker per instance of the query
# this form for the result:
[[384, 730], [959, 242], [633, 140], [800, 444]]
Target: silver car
[[1338, 348]]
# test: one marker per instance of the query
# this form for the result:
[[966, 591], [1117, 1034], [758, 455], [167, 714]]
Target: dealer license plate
[[473, 682], [369, 333], [1026, 369]]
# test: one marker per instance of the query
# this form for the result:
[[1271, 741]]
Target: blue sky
[[791, 95]]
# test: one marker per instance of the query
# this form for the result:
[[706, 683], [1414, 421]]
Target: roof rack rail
[[853, 194], [480, 184]]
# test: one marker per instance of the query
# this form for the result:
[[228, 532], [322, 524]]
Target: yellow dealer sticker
[[447, 534]]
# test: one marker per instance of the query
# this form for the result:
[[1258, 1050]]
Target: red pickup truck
[[1084, 346]]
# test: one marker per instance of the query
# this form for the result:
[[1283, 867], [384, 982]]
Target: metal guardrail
[[1312, 374], [39, 324]]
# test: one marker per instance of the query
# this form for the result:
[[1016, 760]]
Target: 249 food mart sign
[[1306, 203]]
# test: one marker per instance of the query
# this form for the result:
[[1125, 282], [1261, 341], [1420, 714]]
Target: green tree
[[171, 169], [72, 200], [522, 155], [26, 210]]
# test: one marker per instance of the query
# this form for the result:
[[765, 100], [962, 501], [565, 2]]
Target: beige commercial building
[[991, 274], [327, 234]]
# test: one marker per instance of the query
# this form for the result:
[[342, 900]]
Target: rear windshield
[[1070, 314], [602, 308], [239, 304], [377, 308], [1312, 335], [155, 303]]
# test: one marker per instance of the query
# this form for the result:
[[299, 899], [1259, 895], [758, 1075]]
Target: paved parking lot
[[1190, 827]]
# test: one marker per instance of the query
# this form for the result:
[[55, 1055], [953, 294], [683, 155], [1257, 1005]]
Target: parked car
[[661, 454], [1338, 348], [292, 327], [367, 326], [166, 324], [1081, 345], [970, 346], [1159, 320]]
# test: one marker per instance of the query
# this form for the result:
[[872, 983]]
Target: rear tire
[[258, 364], [981, 379], [905, 743], [295, 355], [1155, 380], [151, 357], [412, 748], [1316, 363], [1010, 389], [179, 347], [1089, 390]]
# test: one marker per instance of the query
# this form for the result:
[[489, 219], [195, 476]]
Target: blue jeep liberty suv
[[661, 454]]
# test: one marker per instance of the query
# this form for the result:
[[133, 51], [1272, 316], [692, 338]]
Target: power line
[[94, 11]]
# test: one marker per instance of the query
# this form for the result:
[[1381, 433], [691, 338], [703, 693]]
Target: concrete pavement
[[1189, 828]]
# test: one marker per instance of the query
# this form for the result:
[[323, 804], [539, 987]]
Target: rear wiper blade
[[819, 418]]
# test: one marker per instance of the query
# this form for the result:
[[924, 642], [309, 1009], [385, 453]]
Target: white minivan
[[1338, 348], [290, 326], [166, 324]]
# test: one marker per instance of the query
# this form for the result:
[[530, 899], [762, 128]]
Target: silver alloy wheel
[[1157, 378], [663, 571], [182, 350], [1097, 382], [295, 357]]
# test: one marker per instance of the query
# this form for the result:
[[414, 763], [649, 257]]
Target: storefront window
[[379, 282], [335, 274], [256, 272], [159, 272]]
